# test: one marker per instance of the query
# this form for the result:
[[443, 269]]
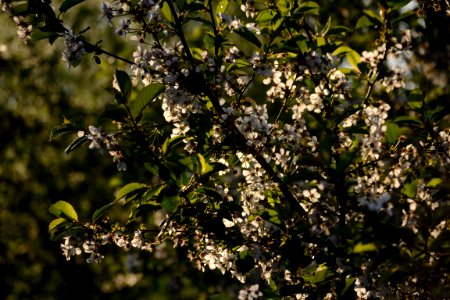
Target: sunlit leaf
[[309, 7], [360, 247], [56, 223], [129, 189], [63, 209], [410, 189]]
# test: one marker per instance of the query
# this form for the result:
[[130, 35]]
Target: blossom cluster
[[105, 142]]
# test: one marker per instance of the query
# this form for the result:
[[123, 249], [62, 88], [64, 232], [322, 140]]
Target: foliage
[[303, 154]]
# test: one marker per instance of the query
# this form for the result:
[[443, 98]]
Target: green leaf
[[170, 142], [363, 22], [397, 4], [61, 130], [325, 28], [222, 7], [63, 209], [249, 36], [75, 144], [373, 16], [410, 189], [130, 189], [392, 133], [360, 247], [341, 50], [434, 182], [406, 120], [319, 274], [114, 113], [152, 193], [309, 7], [170, 203], [165, 11], [146, 96], [204, 167], [181, 4], [124, 81], [37, 35], [21, 9], [56, 223], [403, 17], [101, 211], [338, 30], [440, 214], [354, 59], [351, 55], [348, 283], [67, 4], [441, 242]]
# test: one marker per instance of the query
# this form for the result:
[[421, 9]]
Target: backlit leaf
[[63, 209]]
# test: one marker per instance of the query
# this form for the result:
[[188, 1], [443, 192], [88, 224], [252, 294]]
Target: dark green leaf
[[170, 203], [37, 35], [21, 9], [67, 4], [441, 242], [152, 168], [75, 144], [124, 81], [406, 120], [348, 283], [404, 17], [195, 6], [209, 192], [101, 212], [61, 130], [146, 96], [249, 36], [440, 214], [181, 4], [113, 112], [170, 142], [63, 209]]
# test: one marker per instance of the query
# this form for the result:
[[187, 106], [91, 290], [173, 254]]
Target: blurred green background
[[37, 91]]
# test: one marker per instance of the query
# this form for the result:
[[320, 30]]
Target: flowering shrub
[[297, 155]]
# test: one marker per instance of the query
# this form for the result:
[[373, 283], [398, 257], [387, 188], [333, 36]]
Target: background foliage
[[37, 91]]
